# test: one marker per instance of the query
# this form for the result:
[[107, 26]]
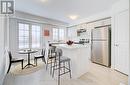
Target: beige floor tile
[[97, 75]]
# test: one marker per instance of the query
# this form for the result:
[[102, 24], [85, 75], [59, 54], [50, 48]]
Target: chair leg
[[9, 67], [43, 59], [22, 64], [69, 68], [36, 61]]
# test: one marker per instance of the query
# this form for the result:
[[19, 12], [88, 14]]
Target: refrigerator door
[[100, 33], [100, 52]]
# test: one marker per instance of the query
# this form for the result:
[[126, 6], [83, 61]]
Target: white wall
[[3, 43]]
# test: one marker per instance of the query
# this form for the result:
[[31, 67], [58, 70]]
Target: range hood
[[81, 30]]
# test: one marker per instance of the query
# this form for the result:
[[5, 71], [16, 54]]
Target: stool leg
[[47, 63], [69, 68], [51, 67], [64, 66], [59, 74], [54, 68]]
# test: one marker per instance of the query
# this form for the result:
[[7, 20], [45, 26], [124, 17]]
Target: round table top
[[27, 51]]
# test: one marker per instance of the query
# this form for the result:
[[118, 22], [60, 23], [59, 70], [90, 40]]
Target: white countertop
[[73, 46]]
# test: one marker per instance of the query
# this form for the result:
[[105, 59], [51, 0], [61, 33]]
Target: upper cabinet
[[102, 22], [72, 32], [84, 30]]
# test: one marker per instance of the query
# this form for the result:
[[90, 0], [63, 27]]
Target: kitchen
[[97, 47]]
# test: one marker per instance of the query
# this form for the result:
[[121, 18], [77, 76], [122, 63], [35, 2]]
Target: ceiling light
[[43, 0], [73, 17]]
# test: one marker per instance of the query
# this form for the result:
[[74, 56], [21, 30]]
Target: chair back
[[10, 55]]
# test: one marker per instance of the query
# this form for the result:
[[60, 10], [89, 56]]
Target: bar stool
[[57, 64], [51, 57]]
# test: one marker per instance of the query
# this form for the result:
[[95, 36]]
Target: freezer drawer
[[100, 52]]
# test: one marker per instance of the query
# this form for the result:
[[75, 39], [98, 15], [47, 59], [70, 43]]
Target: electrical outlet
[[121, 84]]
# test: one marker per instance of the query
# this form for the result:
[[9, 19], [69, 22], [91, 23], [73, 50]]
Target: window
[[55, 34], [58, 34], [29, 36], [23, 35], [35, 36], [61, 34]]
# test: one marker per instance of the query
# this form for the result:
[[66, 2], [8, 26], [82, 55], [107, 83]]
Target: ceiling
[[62, 9]]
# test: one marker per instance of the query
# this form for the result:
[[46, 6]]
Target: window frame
[[58, 37], [40, 36], [57, 34], [30, 34]]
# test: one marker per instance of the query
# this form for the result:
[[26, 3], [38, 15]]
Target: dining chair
[[14, 60], [42, 56]]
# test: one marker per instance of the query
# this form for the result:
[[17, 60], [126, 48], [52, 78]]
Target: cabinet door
[[122, 42], [72, 32]]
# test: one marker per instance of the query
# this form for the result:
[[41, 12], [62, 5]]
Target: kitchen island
[[80, 57]]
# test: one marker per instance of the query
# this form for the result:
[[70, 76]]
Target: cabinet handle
[[116, 45]]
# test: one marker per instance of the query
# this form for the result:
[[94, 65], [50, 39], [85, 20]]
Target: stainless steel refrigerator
[[101, 45]]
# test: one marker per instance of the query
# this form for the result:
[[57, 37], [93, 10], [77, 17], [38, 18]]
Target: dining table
[[28, 52]]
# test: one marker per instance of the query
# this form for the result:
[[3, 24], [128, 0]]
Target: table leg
[[29, 61], [28, 58]]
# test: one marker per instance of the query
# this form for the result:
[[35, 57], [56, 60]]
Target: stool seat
[[16, 59], [64, 59]]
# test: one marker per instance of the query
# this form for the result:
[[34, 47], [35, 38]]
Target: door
[[122, 42]]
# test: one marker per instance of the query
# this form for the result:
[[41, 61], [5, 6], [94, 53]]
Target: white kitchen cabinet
[[102, 22], [121, 41], [72, 32]]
